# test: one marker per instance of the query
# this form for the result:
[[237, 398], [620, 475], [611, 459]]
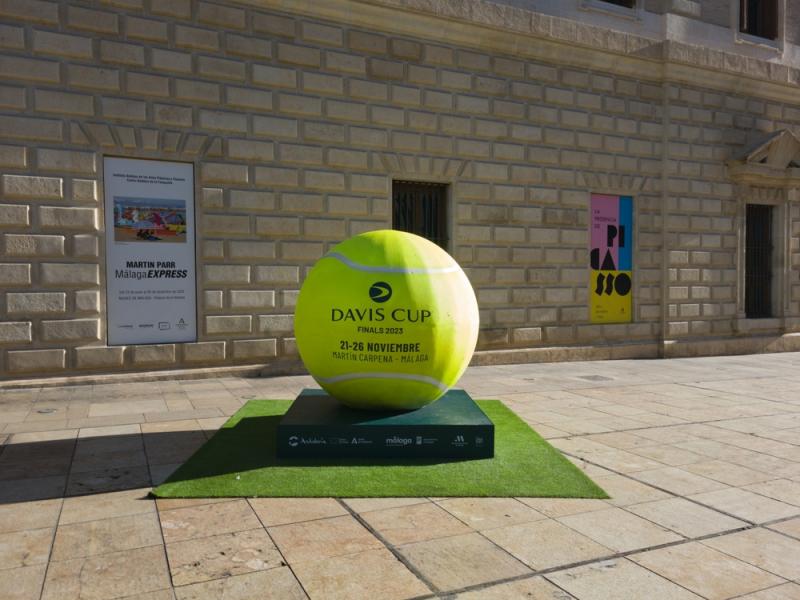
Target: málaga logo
[[380, 291]]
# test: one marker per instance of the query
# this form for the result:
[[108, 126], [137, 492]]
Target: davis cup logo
[[380, 291]]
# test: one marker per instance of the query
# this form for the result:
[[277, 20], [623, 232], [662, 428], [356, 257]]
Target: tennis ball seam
[[454, 268]]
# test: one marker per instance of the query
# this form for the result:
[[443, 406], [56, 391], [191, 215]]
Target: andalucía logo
[[380, 291]]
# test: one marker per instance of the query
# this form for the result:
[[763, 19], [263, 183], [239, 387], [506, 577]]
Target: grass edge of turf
[[180, 483]]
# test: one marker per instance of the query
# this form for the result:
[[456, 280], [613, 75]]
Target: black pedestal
[[319, 426]]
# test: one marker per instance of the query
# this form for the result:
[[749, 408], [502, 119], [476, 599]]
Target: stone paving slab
[[701, 458]]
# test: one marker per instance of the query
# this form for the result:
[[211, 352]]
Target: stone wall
[[297, 126]]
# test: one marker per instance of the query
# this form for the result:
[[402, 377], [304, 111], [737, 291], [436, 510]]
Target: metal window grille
[[421, 208], [758, 262], [625, 3], [759, 18]]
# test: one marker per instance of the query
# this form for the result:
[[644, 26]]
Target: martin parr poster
[[610, 258], [150, 257]]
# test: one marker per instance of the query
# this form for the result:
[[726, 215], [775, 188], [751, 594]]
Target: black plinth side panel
[[319, 426]]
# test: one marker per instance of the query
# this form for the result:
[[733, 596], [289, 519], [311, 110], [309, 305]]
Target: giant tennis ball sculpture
[[386, 320]]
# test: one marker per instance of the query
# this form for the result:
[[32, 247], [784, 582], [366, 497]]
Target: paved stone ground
[[701, 458]]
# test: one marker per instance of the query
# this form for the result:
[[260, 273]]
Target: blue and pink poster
[[610, 258]]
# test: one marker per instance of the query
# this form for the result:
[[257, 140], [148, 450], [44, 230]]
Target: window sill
[[632, 14], [759, 42]]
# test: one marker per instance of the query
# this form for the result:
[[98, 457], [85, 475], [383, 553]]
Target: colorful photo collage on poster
[[610, 259]]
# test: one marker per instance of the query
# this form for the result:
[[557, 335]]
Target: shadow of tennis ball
[[386, 320]]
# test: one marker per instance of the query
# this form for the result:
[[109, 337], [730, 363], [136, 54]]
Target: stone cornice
[[497, 28], [764, 175]]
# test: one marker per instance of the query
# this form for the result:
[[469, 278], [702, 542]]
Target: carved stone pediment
[[773, 162]]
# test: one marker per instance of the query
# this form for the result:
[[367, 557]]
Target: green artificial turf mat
[[240, 461]]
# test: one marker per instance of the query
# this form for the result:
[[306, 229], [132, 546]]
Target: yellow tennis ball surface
[[386, 320]]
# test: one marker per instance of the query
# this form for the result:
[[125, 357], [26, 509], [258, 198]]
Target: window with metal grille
[[758, 261], [759, 18], [625, 3], [421, 208]]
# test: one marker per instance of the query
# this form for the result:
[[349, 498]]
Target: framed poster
[[610, 259], [150, 251]]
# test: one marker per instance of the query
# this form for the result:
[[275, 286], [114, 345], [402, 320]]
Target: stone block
[[346, 63], [274, 324], [31, 187], [14, 215], [222, 68], [226, 224], [125, 54], [144, 84], [146, 29], [12, 37], [92, 20], [63, 217], [301, 105], [196, 38], [204, 352], [213, 299], [170, 60], [224, 173], [13, 156], [252, 299], [323, 34], [226, 274], [221, 16], [29, 69], [370, 184], [99, 357], [219, 325], [34, 245], [85, 246], [218, 120], [274, 76], [328, 181], [31, 361], [323, 84], [367, 42], [87, 301], [30, 128], [35, 303], [247, 200], [274, 25], [70, 46], [71, 161], [155, 355], [277, 226], [123, 109], [15, 332], [168, 114], [299, 55], [96, 78], [240, 250], [248, 98], [67, 274], [277, 274], [301, 251], [14, 274], [333, 229], [275, 127], [251, 150], [252, 349], [70, 330], [248, 46]]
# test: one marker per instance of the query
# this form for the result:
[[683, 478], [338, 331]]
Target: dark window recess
[[759, 18], [421, 208], [758, 262], [625, 3]]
